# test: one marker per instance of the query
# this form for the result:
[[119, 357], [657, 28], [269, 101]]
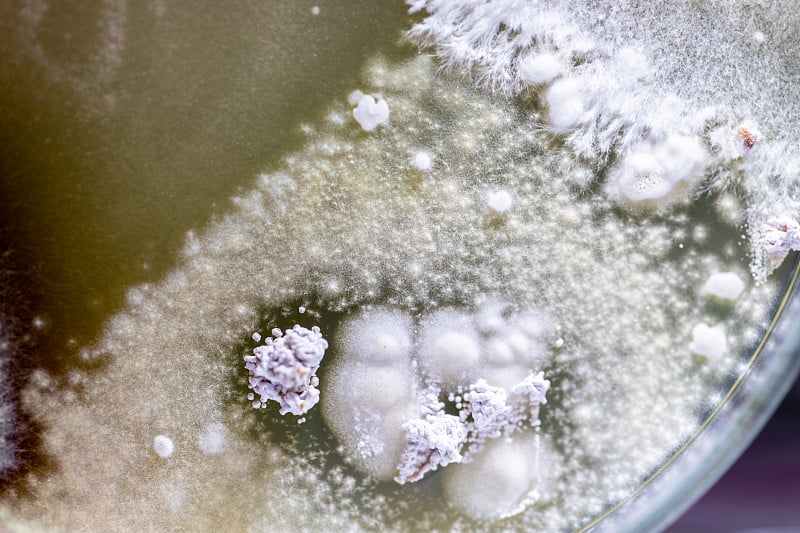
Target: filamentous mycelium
[[700, 75], [352, 221]]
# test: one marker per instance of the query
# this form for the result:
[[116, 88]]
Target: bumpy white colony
[[284, 369], [371, 110]]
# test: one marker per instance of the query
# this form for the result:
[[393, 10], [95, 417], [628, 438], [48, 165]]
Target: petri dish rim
[[723, 434]]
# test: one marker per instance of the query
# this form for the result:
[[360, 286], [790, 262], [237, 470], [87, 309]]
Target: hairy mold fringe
[[607, 100]]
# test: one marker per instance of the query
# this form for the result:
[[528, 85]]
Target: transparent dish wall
[[724, 435]]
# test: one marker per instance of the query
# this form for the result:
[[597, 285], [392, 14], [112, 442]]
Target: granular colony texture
[[464, 247]]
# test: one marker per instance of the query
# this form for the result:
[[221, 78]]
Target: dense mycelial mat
[[573, 214]]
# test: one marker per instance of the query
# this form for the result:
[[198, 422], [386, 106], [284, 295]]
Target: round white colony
[[163, 446], [422, 161]]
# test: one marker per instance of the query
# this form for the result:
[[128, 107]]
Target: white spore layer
[[431, 442]]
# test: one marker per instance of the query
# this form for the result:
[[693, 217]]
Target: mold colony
[[463, 243], [382, 399]]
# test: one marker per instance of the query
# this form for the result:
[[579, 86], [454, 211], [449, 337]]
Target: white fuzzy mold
[[497, 482], [377, 335], [369, 393], [541, 68], [567, 103]]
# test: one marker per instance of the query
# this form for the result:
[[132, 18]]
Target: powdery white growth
[[532, 391], [284, 370], [163, 446], [484, 412], [371, 111], [495, 412], [213, 439], [389, 432], [499, 480], [430, 442], [709, 342], [378, 335], [422, 161], [723, 286], [489, 409]]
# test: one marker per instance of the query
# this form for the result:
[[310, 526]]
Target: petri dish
[[180, 179], [723, 435]]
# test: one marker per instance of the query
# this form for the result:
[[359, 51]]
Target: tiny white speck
[[499, 202], [759, 37], [301, 309], [422, 161], [163, 446], [256, 336], [315, 10], [276, 332]]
